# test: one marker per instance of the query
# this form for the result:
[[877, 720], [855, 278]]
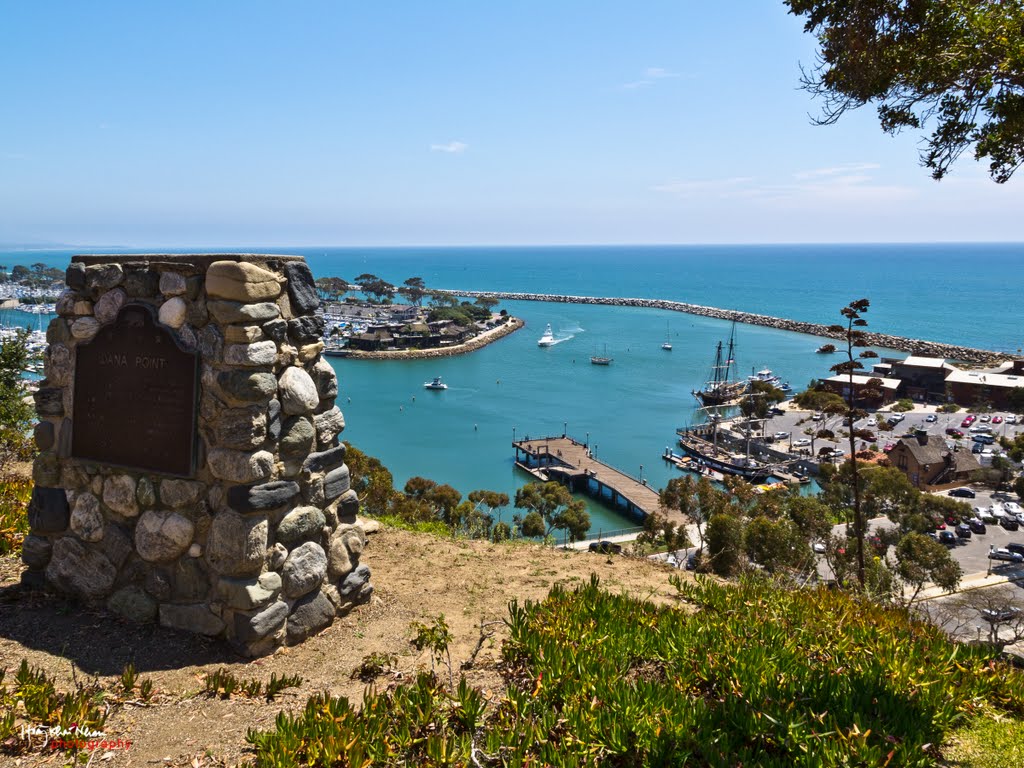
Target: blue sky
[[398, 123]]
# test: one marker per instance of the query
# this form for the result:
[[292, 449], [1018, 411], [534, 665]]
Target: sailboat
[[667, 346], [721, 388], [710, 453], [602, 359]]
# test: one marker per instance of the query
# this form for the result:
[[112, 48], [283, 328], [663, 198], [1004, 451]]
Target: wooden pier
[[570, 462]]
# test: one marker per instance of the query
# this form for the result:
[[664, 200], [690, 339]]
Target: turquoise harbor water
[[962, 294]]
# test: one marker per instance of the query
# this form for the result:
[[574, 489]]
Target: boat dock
[[570, 462]]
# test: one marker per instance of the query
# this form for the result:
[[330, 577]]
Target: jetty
[[885, 340], [571, 463]]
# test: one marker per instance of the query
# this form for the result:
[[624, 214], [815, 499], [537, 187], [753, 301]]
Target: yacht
[[435, 384], [548, 339]]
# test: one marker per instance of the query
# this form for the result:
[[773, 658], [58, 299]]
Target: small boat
[[548, 339], [601, 359], [435, 384], [768, 377], [667, 346]]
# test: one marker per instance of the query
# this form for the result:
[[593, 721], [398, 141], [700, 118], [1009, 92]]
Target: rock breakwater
[[981, 357]]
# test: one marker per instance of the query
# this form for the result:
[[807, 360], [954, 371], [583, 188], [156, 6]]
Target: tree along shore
[[477, 342], [913, 346]]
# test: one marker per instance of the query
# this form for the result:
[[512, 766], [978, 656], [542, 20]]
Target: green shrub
[[33, 702], [902, 405], [754, 675]]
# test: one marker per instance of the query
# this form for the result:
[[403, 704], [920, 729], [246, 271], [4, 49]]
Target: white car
[[931, 417], [1011, 419], [896, 418], [1012, 507], [803, 442], [781, 435]]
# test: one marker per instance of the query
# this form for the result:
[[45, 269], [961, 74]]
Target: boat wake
[[559, 339]]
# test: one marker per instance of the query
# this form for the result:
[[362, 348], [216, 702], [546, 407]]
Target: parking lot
[[796, 423]]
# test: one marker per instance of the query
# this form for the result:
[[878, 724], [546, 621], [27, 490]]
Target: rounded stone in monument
[[173, 312], [310, 614], [241, 281], [162, 535], [237, 545], [304, 570], [300, 524], [109, 305], [58, 364], [298, 392], [119, 495], [179, 493], [84, 328], [79, 569], [297, 436], [240, 466], [86, 518], [103, 277], [329, 425], [134, 604], [172, 284], [259, 353]]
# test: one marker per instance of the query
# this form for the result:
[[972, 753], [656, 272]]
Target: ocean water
[[963, 294]]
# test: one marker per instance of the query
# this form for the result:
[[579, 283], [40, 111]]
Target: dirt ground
[[416, 577]]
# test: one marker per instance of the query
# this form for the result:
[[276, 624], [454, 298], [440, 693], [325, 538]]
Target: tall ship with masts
[[722, 388], [709, 453]]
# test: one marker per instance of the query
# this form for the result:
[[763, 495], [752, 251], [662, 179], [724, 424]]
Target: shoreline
[[477, 342], [913, 346]]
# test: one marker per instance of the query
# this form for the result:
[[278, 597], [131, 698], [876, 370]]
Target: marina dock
[[571, 463]]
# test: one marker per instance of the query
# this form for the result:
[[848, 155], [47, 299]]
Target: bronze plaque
[[135, 397]]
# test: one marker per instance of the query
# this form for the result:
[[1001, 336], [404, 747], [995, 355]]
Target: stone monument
[[190, 470]]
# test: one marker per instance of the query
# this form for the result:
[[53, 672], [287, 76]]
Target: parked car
[[977, 447], [781, 435], [948, 538], [1009, 523], [1012, 419], [606, 547], [985, 419], [997, 419], [1006, 556], [953, 432], [1013, 546], [963, 531], [896, 418], [977, 526], [817, 417], [963, 493], [968, 420], [803, 442], [931, 417], [1000, 615], [1012, 507], [691, 561]]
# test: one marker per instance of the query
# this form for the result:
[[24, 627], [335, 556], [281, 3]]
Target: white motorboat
[[548, 339], [435, 384]]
